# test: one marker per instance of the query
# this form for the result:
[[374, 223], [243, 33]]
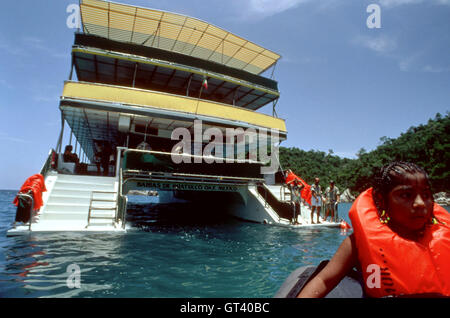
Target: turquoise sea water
[[169, 251]]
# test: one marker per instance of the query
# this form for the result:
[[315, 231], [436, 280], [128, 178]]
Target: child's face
[[410, 203]]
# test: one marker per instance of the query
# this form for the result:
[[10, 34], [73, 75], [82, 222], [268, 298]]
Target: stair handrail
[[266, 203], [49, 162], [121, 199], [90, 209], [119, 194]]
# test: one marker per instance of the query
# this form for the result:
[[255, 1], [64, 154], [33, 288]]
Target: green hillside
[[427, 145]]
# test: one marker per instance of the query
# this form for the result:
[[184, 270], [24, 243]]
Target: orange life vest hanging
[[395, 266], [35, 184], [306, 192]]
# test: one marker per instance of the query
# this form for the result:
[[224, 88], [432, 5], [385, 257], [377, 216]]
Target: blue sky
[[343, 86]]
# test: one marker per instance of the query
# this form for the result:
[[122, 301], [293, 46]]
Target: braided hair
[[389, 176]]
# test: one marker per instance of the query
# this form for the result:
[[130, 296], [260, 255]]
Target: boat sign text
[[186, 186]]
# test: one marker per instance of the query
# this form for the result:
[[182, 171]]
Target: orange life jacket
[[306, 192], [402, 266], [35, 184]]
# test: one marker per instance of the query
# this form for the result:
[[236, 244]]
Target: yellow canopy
[[173, 32]]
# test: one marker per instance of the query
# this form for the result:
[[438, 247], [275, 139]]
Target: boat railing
[[194, 166], [283, 209], [185, 177], [323, 210], [121, 198], [119, 156], [49, 162], [192, 156], [121, 201]]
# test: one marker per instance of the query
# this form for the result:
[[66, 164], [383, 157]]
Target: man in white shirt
[[332, 198]]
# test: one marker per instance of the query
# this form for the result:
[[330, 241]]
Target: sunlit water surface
[[168, 251]]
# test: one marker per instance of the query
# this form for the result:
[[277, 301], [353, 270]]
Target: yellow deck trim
[[145, 98]]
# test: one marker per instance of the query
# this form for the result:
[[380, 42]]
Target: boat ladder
[[95, 211], [285, 191]]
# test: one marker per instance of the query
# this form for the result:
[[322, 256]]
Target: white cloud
[[270, 7], [419, 62], [46, 99], [6, 137], [11, 49], [40, 45], [380, 44], [260, 9], [387, 47], [302, 60], [410, 62], [43, 92], [405, 64], [435, 69], [22, 47], [397, 3], [416, 63], [6, 84]]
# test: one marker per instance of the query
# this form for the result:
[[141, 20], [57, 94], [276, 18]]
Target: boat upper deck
[[101, 60], [175, 33], [142, 73], [163, 51]]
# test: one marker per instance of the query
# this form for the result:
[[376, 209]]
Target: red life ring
[[345, 226]]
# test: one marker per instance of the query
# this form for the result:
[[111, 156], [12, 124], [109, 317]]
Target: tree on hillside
[[426, 145]]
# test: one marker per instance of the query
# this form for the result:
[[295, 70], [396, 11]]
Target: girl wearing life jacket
[[400, 243]]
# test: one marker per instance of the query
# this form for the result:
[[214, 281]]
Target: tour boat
[[176, 99]]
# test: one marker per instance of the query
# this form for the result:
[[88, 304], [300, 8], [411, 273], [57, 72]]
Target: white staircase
[[265, 213], [78, 203]]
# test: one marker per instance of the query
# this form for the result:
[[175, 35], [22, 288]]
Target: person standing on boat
[[296, 185], [105, 156], [296, 189], [332, 196], [98, 147], [316, 199]]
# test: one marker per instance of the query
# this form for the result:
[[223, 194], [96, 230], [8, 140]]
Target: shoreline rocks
[[143, 192], [347, 196], [442, 198]]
